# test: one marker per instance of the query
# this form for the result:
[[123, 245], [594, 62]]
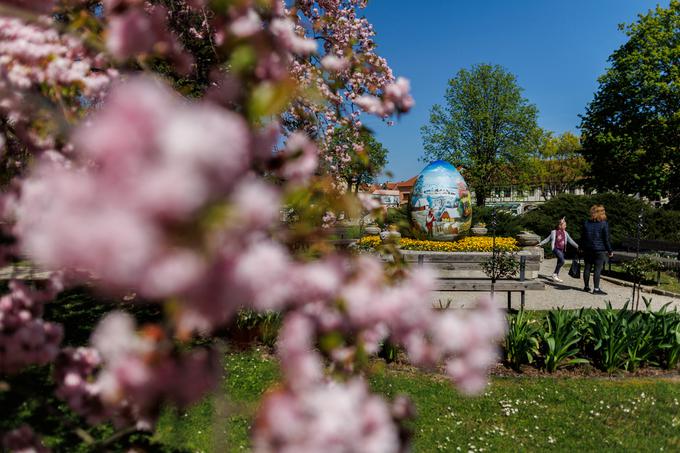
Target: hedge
[[622, 213]]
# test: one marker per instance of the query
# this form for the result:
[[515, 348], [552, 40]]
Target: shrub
[[521, 341], [506, 223], [503, 265], [561, 338], [622, 213], [662, 224], [401, 218]]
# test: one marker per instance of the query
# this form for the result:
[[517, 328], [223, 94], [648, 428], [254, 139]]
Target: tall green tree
[[486, 126], [368, 158], [559, 165], [631, 128]]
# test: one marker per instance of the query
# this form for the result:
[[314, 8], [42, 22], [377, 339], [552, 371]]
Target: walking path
[[568, 294]]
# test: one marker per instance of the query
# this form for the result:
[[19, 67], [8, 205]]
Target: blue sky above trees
[[557, 50]]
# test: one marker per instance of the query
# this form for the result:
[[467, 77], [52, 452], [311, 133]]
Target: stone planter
[[372, 230], [479, 230], [390, 236], [528, 239]]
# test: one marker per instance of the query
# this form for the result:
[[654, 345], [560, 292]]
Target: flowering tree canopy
[[149, 148]]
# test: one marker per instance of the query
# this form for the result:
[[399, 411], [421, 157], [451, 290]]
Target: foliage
[[466, 244], [558, 165], [642, 346], [485, 125], [401, 218], [388, 351], [609, 333], [263, 325], [667, 336], [662, 224], [609, 338], [622, 215], [560, 339], [368, 160], [500, 265], [630, 127], [521, 341], [194, 110], [640, 266], [506, 223]]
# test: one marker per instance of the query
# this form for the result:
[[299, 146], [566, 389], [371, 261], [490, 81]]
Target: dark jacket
[[595, 236]]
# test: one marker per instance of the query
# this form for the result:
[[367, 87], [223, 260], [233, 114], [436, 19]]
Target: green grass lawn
[[515, 414]]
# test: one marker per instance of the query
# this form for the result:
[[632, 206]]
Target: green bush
[[401, 218], [622, 213], [662, 224], [502, 265], [506, 224]]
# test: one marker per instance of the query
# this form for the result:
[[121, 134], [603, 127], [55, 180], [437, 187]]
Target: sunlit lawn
[[515, 414]]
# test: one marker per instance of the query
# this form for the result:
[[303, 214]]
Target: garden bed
[[467, 244]]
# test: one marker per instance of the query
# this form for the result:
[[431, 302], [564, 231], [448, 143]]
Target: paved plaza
[[568, 294]]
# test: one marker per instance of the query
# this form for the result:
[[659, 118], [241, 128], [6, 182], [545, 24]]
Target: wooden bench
[[629, 253], [650, 245], [462, 271], [23, 272], [509, 286]]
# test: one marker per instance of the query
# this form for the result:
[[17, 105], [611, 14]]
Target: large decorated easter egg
[[440, 202]]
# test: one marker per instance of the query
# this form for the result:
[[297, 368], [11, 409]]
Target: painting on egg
[[440, 202]]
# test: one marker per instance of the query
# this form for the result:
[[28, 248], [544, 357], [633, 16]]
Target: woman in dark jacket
[[596, 246]]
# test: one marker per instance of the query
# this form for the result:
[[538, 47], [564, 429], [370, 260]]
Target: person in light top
[[558, 243]]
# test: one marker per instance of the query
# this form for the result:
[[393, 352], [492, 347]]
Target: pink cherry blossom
[[25, 338], [334, 63], [246, 25], [301, 156], [23, 440], [327, 417]]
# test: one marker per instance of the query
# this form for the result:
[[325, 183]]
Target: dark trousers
[[560, 260], [596, 260]]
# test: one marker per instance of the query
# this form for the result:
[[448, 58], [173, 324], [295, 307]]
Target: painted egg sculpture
[[440, 202]]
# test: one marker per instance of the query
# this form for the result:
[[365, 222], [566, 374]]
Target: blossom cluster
[[466, 244], [351, 75], [179, 201], [151, 164], [128, 375], [23, 440], [25, 339], [35, 59]]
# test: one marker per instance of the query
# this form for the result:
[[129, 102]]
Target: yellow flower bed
[[467, 244]]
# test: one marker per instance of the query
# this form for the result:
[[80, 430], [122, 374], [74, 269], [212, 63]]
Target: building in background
[[387, 198], [508, 198]]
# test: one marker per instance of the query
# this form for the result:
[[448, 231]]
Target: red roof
[[402, 185]]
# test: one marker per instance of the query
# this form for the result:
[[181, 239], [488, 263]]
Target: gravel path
[[568, 294]]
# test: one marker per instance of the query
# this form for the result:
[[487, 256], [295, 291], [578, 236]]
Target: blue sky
[[557, 50]]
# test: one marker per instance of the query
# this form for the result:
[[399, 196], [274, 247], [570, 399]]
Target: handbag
[[575, 269]]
